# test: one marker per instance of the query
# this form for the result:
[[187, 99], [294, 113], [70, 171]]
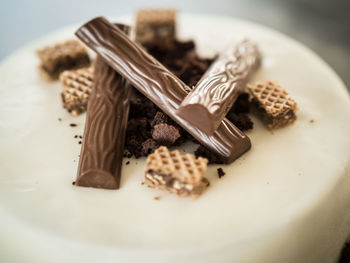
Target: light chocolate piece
[[155, 24], [158, 84], [62, 56], [177, 173], [273, 104], [105, 127], [76, 88], [211, 99]]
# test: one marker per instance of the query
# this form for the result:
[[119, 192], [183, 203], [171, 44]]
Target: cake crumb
[[73, 124], [73, 183], [79, 142], [128, 162], [312, 121], [221, 172], [157, 198], [59, 119]]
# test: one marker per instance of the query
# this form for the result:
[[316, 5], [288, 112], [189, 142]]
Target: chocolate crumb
[[221, 172], [165, 134], [79, 142], [75, 136], [81, 137], [128, 162], [148, 147], [73, 124], [73, 183], [241, 120]]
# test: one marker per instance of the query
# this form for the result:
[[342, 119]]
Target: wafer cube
[[62, 56], [273, 104], [76, 88], [176, 173], [155, 24]]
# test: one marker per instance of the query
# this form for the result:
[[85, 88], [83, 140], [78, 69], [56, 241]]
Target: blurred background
[[322, 25]]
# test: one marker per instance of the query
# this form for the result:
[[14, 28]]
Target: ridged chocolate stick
[[158, 84], [211, 99], [105, 127]]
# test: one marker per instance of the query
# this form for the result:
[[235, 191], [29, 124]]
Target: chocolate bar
[[62, 56], [155, 24], [157, 83], [273, 104], [211, 99], [106, 120]]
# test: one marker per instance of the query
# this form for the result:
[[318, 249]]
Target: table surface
[[322, 25]]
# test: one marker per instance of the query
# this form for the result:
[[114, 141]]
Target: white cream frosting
[[286, 200]]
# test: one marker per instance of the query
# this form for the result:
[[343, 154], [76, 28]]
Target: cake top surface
[[288, 175]]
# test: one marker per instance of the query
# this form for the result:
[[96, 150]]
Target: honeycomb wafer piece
[[155, 24], [176, 173], [62, 56], [273, 104], [76, 89]]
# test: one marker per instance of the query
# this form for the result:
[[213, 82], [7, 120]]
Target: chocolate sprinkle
[[221, 172]]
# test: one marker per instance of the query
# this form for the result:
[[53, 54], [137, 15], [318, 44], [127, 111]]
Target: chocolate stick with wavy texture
[[105, 127], [210, 100], [158, 84]]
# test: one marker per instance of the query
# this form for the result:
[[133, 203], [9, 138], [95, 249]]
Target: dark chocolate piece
[[106, 120], [158, 84], [211, 99]]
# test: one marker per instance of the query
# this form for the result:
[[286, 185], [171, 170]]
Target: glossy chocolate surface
[[158, 84], [210, 100], [105, 127]]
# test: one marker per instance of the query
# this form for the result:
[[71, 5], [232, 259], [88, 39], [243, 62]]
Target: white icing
[[287, 200]]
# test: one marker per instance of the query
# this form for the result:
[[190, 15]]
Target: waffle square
[[155, 24], [176, 173], [76, 88], [62, 56], [273, 104]]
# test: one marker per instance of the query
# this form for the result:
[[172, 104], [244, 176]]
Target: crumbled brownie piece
[[221, 172], [242, 104], [63, 56], [165, 134], [204, 152], [155, 24], [242, 121], [148, 147], [159, 118]]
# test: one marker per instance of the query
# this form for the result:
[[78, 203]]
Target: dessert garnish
[[176, 173], [211, 99], [273, 104], [62, 56], [155, 24], [158, 84], [76, 88], [102, 149]]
